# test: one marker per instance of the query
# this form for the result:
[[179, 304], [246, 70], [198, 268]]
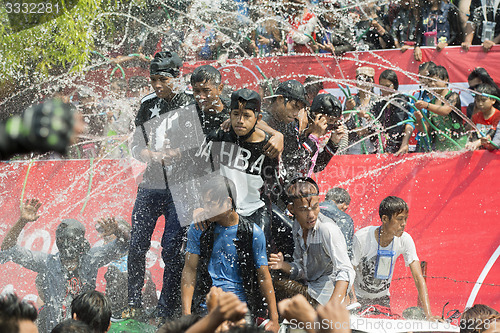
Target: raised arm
[[423, 295], [267, 290], [28, 213]]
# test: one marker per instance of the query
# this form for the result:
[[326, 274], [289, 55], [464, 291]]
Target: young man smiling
[[320, 257]]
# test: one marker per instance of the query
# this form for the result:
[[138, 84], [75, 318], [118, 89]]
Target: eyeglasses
[[364, 78]]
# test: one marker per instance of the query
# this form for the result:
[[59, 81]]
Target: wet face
[[207, 95], [387, 84], [163, 85], [483, 103], [439, 85], [364, 82], [424, 79], [474, 83], [286, 112], [395, 225], [243, 120], [214, 208], [333, 122], [306, 211]]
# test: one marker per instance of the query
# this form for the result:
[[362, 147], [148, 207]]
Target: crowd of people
[[243, 219]]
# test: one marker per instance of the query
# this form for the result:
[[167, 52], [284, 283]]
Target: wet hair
[[485, 88], [220, 188], [338, 195], [12, 311], [439, 72], [72, 326], [390, 75], [313, 85], [180, 325], [206, 73], [391, 206], [481, 74], [302, 187], [475, 318], [428, 65], [94, 309]]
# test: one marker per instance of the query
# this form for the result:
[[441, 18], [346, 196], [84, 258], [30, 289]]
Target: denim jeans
[[150, 204]]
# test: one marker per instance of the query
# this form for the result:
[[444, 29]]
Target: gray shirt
[[59, 286], [322, 260]]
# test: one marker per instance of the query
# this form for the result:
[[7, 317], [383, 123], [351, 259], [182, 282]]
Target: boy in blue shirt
[[219, 256]]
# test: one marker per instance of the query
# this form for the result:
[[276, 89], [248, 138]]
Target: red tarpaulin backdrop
[[453, 198]]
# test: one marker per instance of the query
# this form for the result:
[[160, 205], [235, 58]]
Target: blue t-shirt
[[224, 267]]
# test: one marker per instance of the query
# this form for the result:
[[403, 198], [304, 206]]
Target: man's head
[[119, 86], [163, 70], [393, 212], [303, 198], [330, 107], [207, 87], [365, 77], [440, 77], [484, 103], [16, 316], [313, 86], [94, 309], [474, 318], [340, 196], [424, 70], [71, 326], [245, 112], [71, 242], [219, 197], [288, 100]]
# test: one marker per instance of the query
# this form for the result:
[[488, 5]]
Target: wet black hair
[[206, 73], [391, 206], [12, 311], [301, 187], [428, 65], [440, 72], [313, 85], [338, 195], [72, 326], [220, 188], [473, 318], [180, 325], [481, 74], [390, 75], [94, 309], [485, 88]]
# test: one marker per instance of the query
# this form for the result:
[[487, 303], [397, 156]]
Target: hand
[[276, 260], [487, 45], [29, 210], [200, 219], [272, 326], [109, 226], [435, 319], [403, 150], [474, 145], [319, 125], [404, 48], [337, 314], [338, 134], [418, 115], [381, 31], [264, 40], [466, 46], [229, 307], [274, 147], [297, 308], [421, 104], [441, 46], [226, 125], [417, 53], [350, 104], [213, 298]]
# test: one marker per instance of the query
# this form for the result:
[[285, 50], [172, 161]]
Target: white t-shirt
[[365, 248]]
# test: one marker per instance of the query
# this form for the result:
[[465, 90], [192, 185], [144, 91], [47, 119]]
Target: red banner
[[453, 199]]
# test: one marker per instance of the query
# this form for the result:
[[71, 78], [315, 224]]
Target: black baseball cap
[[250, 97], [327, 104], [291, 89], [165, 63]]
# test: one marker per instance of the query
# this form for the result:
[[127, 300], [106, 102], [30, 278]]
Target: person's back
[[72, 326]]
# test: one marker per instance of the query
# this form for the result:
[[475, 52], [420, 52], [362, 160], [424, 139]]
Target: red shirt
[[485, 124]]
